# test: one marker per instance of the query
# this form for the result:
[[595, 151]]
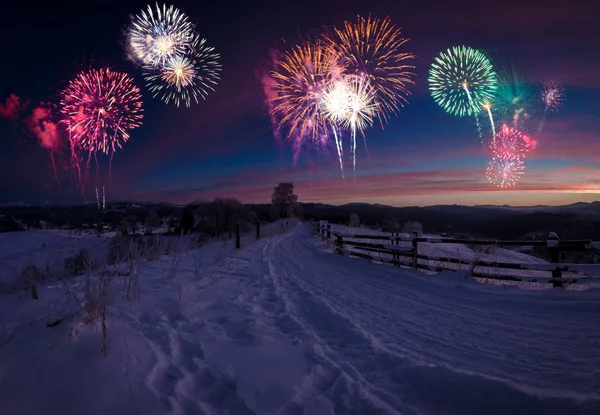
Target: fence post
[[339, 244], [257, 229], [237, 236], [415, 250], [554, 253]]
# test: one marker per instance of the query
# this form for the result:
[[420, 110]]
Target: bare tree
[[284, 198], [354, 220]]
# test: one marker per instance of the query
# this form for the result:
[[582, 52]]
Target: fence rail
[[560, 274]]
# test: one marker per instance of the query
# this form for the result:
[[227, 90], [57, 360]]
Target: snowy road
[[387, 339], [284, 326]]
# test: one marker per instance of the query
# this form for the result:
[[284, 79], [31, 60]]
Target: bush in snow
[[79, 264], [29, 278], [125, 248]]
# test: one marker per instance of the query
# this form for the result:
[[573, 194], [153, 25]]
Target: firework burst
[[553, 95], [302, 75], [100, 107], [184, 78], [351, 104], [505, 169], [159, 33], [373, 48], [462, 80], [511, 140], [508, 153], [514, 98]]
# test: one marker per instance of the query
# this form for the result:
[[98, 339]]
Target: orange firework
[[373, 47], [301, 76]]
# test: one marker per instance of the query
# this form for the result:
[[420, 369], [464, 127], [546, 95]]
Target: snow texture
[[284, 326]]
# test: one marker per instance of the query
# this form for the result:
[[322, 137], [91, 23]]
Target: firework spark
[[505, 169], [374, 48], [508, 153], [302, 75], [553, 96], [100, 107], [342, 80], [351, 104], [511, 140], [159, 33], [462, 80], [184, 78]]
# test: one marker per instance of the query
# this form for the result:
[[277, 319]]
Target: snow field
[[282, 326]]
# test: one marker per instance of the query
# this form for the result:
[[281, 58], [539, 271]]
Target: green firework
[[462, 80], [515, 97]]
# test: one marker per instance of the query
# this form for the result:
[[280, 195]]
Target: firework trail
[[488, 108], [157, 34], [185, 77], [335, 103], [462, 80], [99, 107], [374, 48], [352, 105]]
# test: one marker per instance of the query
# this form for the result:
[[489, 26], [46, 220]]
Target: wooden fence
[[407, 255]]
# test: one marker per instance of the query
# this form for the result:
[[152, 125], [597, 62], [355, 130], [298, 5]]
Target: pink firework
[[100, 107], [510, 140], [505, 169], [508, 151], [553, 95]]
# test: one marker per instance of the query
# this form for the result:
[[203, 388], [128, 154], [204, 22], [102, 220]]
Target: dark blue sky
[[225, 145]]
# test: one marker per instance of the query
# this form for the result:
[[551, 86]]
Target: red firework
[[100, 107], [508, 151], [510, 140]]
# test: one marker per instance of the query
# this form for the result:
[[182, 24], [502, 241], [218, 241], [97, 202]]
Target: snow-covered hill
[[283, 326]]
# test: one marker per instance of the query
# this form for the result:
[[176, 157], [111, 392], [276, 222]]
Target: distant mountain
[[578, 220]]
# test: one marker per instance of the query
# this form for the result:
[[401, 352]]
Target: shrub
[[79, 264], [29, 278], [129, 247]]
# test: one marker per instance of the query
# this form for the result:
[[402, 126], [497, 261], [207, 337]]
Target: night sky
[[225, 146]]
